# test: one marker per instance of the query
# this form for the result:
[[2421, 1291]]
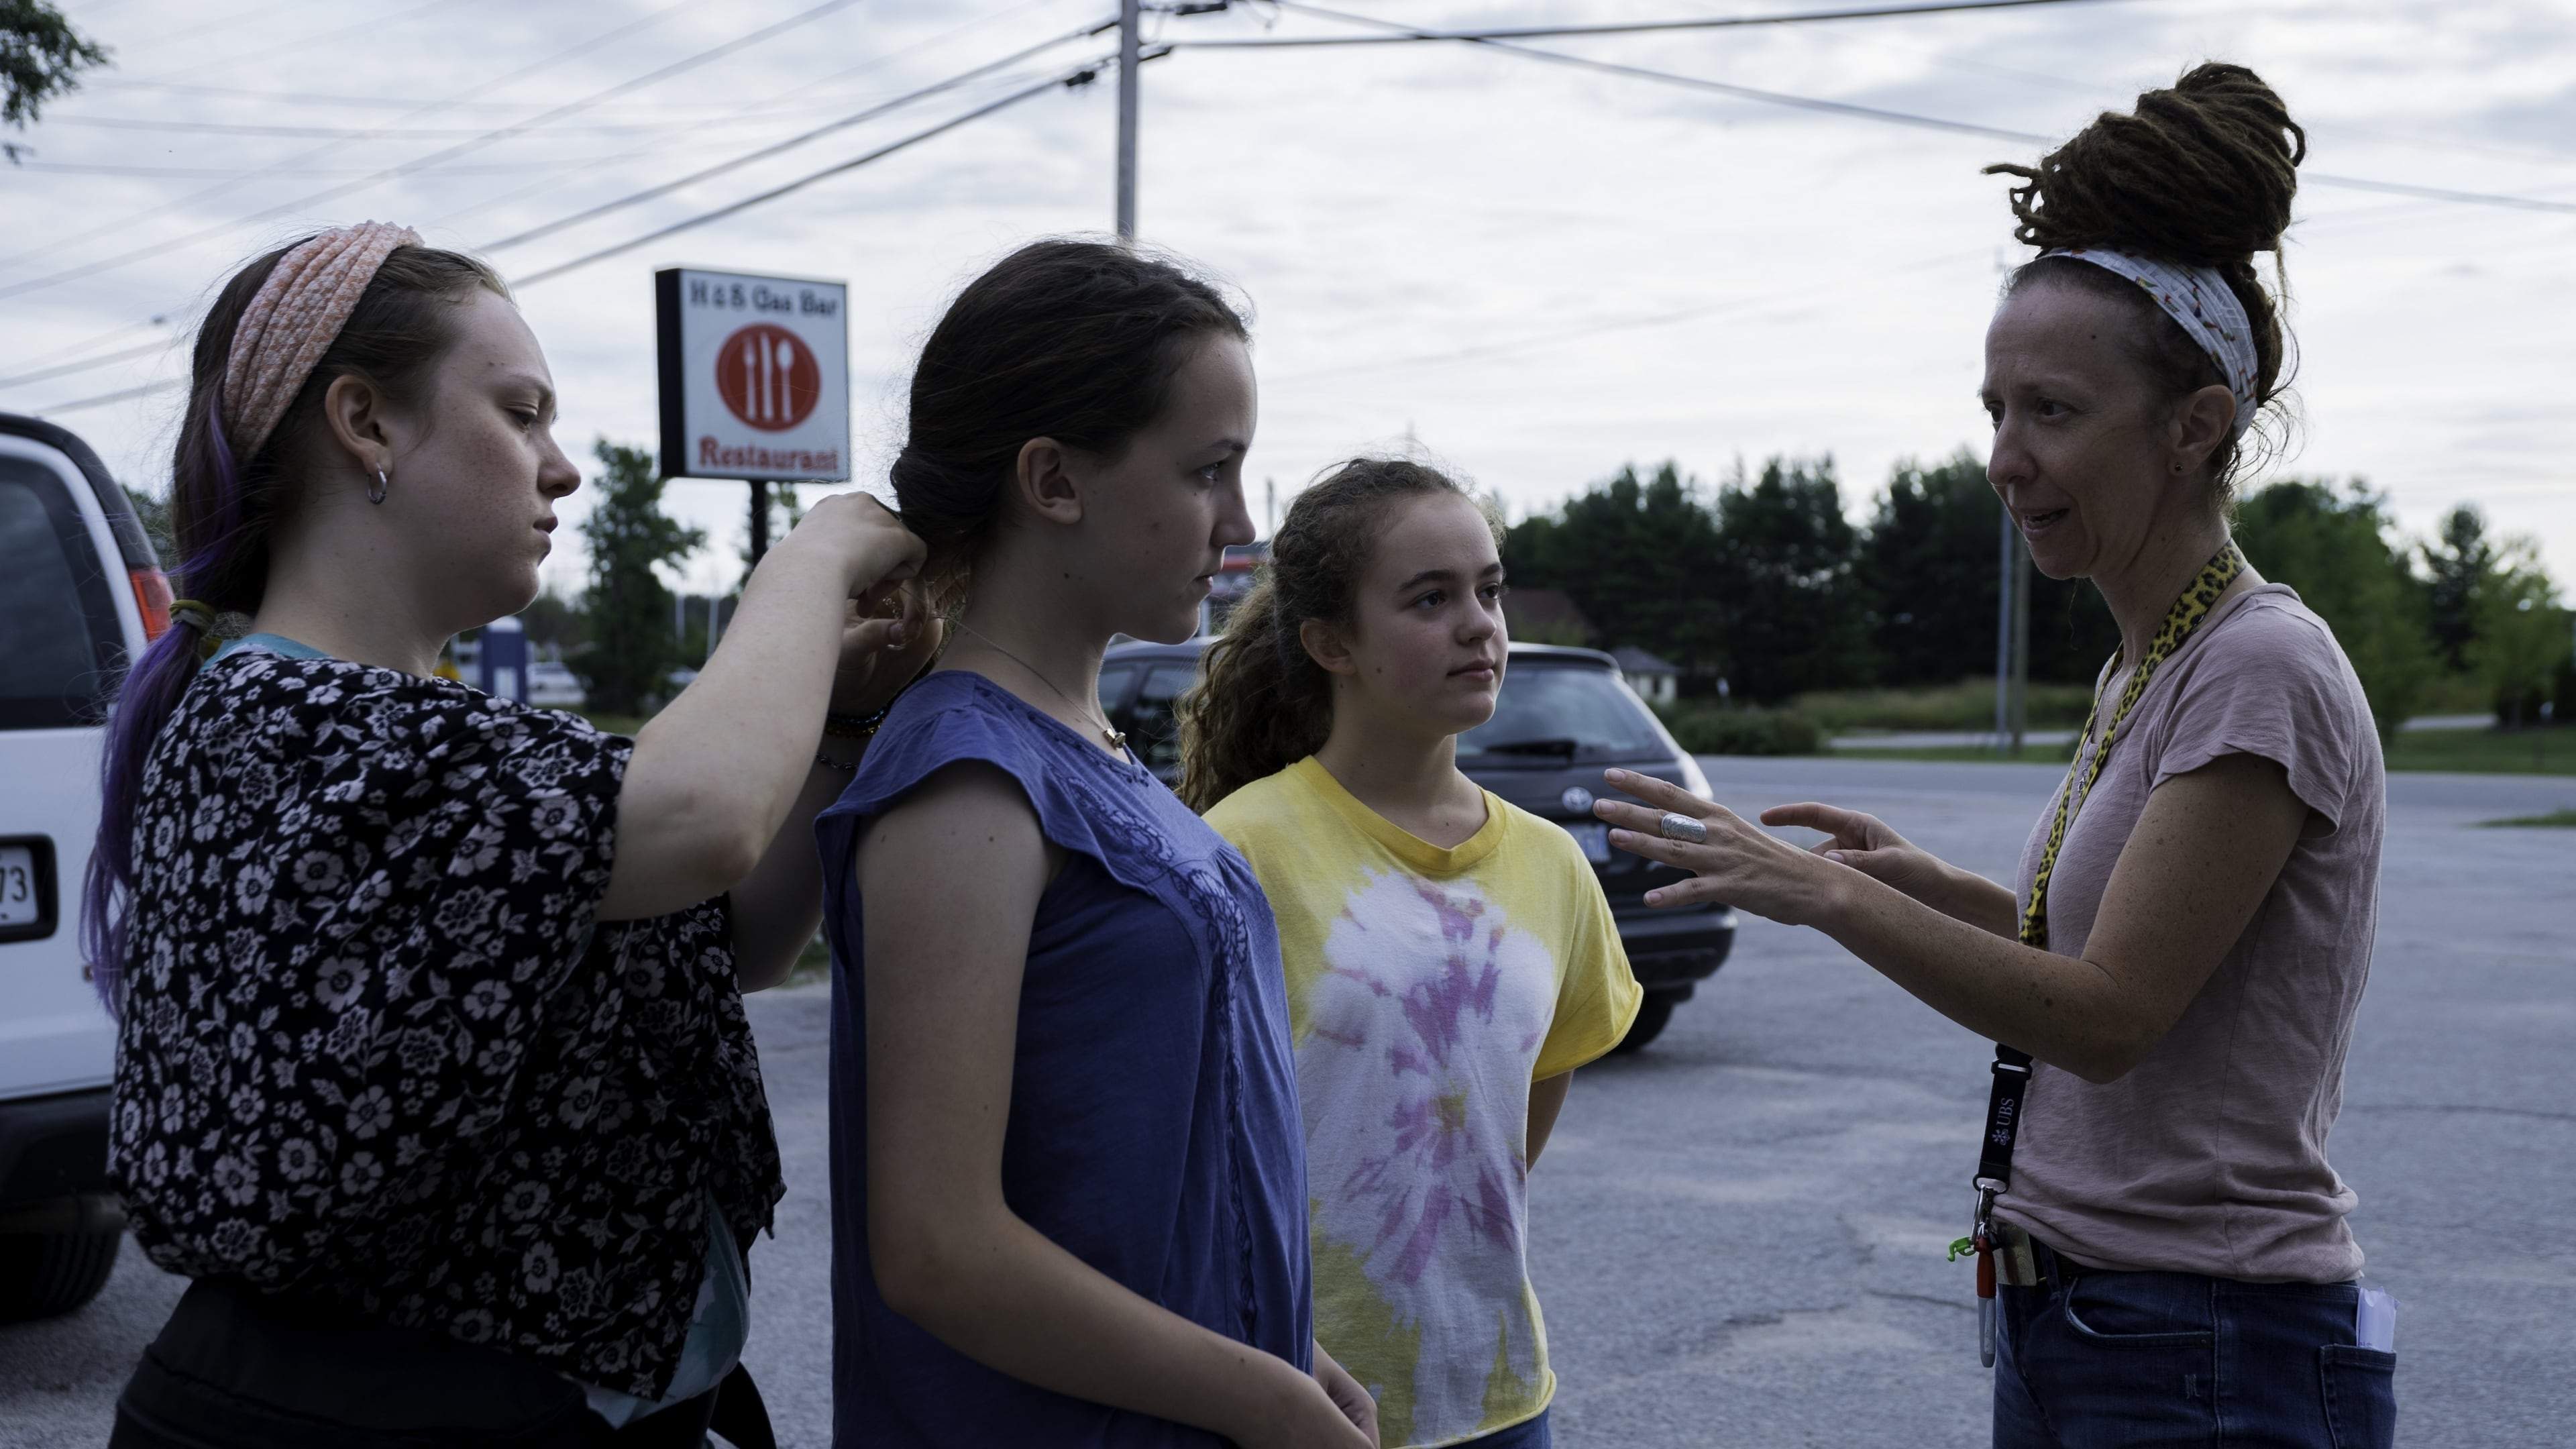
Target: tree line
[[1763, 583]]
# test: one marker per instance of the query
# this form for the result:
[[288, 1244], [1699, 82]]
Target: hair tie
[[292, 320], [2201, 301], [190, 612]]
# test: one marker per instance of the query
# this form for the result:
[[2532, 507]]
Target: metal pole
[[2021, 645], [2004, 635], [1129, 41], [759, 520]]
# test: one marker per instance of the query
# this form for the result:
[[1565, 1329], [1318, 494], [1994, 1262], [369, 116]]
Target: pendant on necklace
[[1117, 738]]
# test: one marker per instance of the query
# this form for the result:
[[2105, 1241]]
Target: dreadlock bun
[[2201, 174]]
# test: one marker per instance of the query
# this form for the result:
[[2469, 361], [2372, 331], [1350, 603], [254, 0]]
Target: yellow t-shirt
[[1427, 989]]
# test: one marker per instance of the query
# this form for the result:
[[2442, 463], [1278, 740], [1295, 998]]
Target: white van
[[80, 594]]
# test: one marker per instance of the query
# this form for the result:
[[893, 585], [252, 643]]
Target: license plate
[[1594, 837], [19, 903]]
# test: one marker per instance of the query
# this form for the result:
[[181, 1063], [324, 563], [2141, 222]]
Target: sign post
[[755, 381]]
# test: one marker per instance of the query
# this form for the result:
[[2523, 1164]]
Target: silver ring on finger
[[1677, 826]]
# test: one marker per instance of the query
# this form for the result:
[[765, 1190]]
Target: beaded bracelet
[[855, 726]]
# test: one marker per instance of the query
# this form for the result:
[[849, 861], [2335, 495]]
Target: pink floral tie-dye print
[[1415, 1085]]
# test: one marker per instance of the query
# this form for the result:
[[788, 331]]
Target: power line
[[1635, 72], [86, 343], [206, 193], [130, 354], [394, 133], [85, 364], [266, 54], [1903, 118], [569, 108], [521, 167], [745, 113], [1077, 77], [1640, 27], [792, 142]]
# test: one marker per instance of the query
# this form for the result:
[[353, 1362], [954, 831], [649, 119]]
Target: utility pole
[[2021, 645], [2012, 641], [1129, 43]]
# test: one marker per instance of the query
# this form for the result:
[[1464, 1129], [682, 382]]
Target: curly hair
[[1262, 703], [2202, 174]]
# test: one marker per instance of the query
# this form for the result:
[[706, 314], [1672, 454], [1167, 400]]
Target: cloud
[[1542, 273]]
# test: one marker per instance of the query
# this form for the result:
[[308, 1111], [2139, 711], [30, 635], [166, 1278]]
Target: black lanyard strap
[[2012, 1066]]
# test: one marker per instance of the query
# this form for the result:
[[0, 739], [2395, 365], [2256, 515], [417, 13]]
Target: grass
[[2554, 820], [1960, 754], [2487, 752], [615, 724], [1966, 705], [2468, 752], [2457, 694]]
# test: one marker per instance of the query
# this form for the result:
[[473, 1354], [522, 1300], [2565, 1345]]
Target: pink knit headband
[[291, 322]]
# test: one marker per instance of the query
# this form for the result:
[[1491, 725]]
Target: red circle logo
[[768, 377]]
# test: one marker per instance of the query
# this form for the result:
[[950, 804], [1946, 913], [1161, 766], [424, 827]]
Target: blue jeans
[[2101, 1360], [1527, 1434]]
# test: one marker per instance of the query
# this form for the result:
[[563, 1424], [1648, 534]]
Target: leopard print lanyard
[[2180, 623]]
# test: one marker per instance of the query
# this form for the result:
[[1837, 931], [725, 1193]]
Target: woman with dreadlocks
[[2172, 979], [433, 1072]]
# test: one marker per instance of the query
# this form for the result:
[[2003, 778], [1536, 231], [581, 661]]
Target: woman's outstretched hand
[[1740, 864], [1866, 844]]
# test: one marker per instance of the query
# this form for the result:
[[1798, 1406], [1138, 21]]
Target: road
[[1738, 1233], [2060, 738]]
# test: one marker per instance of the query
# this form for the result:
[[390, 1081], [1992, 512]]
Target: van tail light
[[152, 595]]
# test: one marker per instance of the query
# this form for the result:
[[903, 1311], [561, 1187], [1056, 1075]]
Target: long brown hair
[[1262, 703], [2203, 173]]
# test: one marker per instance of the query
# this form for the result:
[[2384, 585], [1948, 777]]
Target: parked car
[[552, 684], [1564, 716], [81, 593]]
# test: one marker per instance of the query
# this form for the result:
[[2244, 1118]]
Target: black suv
[[1564, 717]]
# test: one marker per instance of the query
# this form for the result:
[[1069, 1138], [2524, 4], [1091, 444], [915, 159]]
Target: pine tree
[[626, 605]]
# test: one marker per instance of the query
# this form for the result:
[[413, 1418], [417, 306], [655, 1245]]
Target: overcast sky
[[1538, 273]]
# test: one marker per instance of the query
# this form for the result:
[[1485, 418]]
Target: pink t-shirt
[[2210, 1156]]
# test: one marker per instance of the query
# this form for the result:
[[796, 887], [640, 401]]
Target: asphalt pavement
[[1738, 1232]]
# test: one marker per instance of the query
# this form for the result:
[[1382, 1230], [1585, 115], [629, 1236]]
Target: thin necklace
[[1117, 738]]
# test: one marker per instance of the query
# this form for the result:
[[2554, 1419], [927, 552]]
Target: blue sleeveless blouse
[[1153, 1130]]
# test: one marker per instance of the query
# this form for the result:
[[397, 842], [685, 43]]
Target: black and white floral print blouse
[[373, 1049]]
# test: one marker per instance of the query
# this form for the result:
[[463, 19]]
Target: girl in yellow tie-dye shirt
[[1450, 957]]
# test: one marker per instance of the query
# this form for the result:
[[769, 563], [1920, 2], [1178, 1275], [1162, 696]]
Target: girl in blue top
[[1069, 1199]]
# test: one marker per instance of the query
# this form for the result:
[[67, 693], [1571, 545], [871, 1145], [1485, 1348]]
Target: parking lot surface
[[1738, 1233]]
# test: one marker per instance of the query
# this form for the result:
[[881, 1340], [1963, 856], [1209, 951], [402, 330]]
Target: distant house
[[1545, 616], [1654, 679]]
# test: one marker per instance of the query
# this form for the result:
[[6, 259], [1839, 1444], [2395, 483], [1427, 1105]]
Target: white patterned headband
[[2198, 298]]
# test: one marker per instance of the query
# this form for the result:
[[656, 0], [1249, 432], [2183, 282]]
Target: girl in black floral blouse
[[433, 1071]]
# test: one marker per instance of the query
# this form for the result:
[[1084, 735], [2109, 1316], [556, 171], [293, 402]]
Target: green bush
[[1715, 730], [1966, 705]]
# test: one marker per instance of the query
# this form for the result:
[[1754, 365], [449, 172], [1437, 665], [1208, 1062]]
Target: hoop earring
[[376, 494]]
